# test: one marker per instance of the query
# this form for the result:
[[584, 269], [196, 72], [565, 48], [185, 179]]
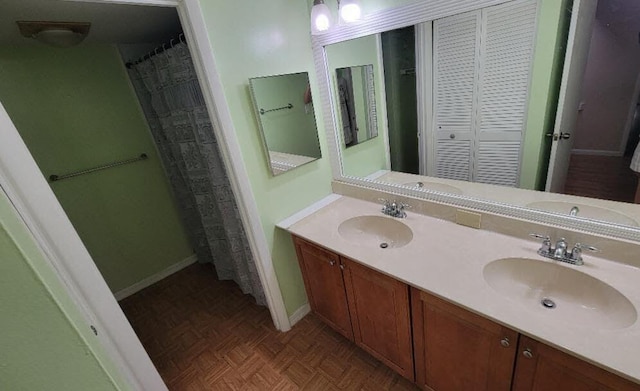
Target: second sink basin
[[376, 231], [585, 211], [564, 292]]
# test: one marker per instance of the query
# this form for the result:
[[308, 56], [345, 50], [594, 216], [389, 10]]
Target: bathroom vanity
[[444, 305]]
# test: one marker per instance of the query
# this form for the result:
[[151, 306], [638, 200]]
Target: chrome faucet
[[574, 211], [560, 253], [394, 208]]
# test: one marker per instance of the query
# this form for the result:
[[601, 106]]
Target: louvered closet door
[[455, 58], [506, 53]]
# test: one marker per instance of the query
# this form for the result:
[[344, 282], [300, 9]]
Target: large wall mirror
[[525, 107], [285, 113]]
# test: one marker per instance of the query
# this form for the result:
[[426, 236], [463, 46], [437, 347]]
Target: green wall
[[370, 156], [550, 47], [44, 343], [291, 130], [250, 41], [75, 109]]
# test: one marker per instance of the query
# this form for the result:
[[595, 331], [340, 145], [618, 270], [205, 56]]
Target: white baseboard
[[596, 152], [138, 286], [299, 314]]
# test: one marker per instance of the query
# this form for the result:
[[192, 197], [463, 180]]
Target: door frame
[[43, 215]]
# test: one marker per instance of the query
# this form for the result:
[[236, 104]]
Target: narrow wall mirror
[[285, 113], [498, 104]]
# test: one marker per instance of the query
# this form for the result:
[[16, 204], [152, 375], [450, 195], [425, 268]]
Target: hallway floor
[[204, 334], [604, 177]]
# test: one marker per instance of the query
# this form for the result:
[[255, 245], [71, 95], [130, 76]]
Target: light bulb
[[320, 17], [350, 10]]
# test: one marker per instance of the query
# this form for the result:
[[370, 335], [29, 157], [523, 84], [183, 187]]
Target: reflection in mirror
[[473, 106], [362, 57], [357, 104], [287, 120]]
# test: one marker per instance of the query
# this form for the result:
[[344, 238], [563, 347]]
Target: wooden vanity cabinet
[[324, 285], [456, 350], [368, 307], [379, 307], [540, 368]]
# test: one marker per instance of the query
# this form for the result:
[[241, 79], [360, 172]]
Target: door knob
[[452, 136], [565, 136], [527, 353], [332, 262]]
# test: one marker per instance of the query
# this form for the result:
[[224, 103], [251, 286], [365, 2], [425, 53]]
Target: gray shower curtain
[[172, 101]]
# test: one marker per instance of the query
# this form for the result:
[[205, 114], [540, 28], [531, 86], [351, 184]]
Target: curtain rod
[[158, 50]]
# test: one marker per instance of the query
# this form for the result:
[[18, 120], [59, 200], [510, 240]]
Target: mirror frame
[[409, 15]]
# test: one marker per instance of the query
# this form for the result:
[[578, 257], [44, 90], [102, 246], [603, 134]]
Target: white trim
[[197, 37], [161, 275], [629, 122], [299, 314], [309, 210], [596, 152]]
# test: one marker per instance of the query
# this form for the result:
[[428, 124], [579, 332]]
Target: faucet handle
[[543, 237], [586, 247]]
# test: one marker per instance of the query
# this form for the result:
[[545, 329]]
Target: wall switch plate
[[468, 219]]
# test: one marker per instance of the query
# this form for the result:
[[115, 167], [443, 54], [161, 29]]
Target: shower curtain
[[172, 101]]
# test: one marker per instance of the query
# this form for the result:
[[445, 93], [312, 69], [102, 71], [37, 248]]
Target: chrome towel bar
[[289, 106], [54, 178]]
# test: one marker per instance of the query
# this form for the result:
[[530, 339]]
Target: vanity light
[[320, 17], [350, 10]]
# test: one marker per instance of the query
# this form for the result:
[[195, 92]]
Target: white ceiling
[[123, 24]]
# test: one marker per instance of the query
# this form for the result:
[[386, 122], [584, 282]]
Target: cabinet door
[[456, 350], [540, 368], [324, 285], [379, 307]]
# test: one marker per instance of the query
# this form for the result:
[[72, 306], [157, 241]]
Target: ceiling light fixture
[[349, 10], [321, 19], [58, 34]]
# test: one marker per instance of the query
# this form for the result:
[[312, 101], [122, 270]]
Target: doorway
[[34, 200], [603, 138]]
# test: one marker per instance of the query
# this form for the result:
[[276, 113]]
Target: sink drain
[[548, 303], [384, 245]]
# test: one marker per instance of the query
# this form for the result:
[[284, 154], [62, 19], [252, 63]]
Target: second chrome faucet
[[560, 253], [394, 208]]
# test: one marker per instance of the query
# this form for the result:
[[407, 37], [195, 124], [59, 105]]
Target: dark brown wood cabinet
[[441, 346], [324, 285], [540, 368], [366, 306], [456, 350], [380, 316]]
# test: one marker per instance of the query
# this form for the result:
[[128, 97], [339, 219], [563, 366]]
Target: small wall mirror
[[287, 121], [357, 104]]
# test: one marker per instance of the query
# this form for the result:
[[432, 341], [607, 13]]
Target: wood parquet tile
[[204, 334], [603, 177]]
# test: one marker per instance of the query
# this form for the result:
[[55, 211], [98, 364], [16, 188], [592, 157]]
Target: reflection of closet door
[[506, 55], [456, 44], [482, 63]]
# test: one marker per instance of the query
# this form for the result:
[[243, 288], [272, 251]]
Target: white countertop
[[447, 260]]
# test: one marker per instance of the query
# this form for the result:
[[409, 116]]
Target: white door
[[456, 45], [582, 18], [506, 56]]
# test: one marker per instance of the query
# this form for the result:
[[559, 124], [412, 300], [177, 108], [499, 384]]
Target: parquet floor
[[204, 334], [604, 177]]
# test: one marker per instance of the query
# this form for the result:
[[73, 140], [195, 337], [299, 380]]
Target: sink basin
[[574, 296], [586, 211], [375, 231], [434, 186]]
